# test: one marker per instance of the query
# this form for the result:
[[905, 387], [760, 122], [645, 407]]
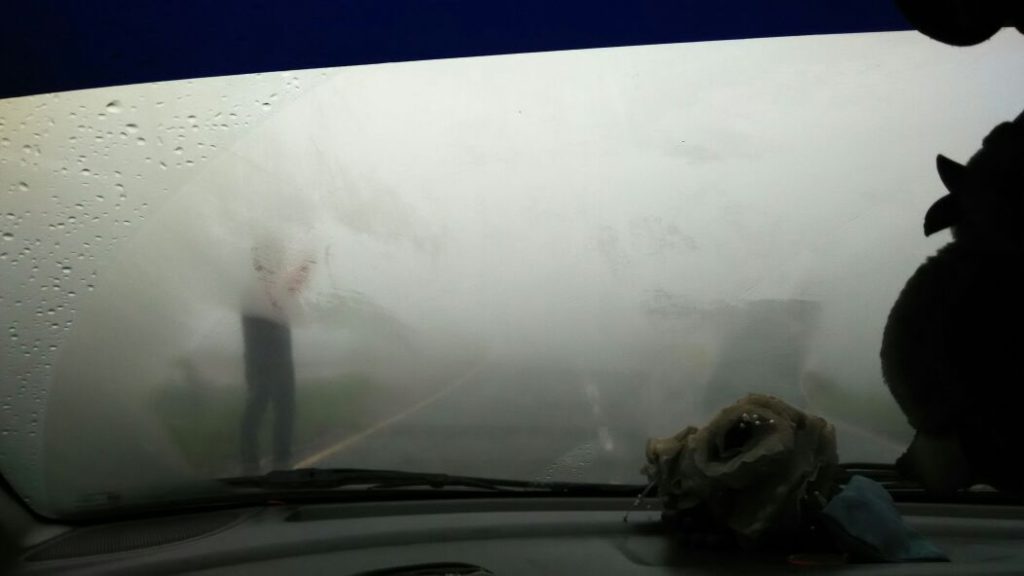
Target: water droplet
[[131, 128], [23, 186], [8, 236], [140, 141], [178, 150], [266, 105], [114, 107], [86, 172]]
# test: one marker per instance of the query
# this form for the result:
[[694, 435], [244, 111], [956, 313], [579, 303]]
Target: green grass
[[205, 424]]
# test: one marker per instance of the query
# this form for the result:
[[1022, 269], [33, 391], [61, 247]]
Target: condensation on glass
[[518, 266]]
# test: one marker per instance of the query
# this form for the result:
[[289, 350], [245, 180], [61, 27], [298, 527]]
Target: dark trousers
[[270, 378]]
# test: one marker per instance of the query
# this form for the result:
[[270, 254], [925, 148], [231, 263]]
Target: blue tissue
[[864, 522]]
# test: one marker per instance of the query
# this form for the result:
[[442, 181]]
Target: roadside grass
[[205, 424]]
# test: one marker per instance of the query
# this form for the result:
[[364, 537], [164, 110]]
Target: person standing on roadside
[[269, 359]]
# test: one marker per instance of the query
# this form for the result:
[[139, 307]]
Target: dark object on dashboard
[[755, 471], [962, 22], [764, 476], [864, 522], [951, 349]]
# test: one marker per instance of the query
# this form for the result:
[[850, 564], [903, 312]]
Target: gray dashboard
[[502, 536]]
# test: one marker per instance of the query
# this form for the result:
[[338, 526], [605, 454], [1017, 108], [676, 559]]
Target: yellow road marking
[[350, 440]]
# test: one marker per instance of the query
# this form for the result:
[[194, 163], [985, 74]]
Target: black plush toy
[[963, 22], [953, 348]]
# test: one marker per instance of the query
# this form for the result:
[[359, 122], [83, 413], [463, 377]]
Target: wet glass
[[518, 266]]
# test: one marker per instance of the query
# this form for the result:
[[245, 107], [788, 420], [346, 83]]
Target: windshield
[[516, 266]]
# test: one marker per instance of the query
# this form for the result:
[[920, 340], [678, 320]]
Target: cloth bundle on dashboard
[[768, 474], [864, 522]]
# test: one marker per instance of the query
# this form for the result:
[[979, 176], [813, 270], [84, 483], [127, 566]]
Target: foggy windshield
[[517, 266]]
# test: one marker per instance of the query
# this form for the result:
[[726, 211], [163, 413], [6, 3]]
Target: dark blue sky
[[54, 45]]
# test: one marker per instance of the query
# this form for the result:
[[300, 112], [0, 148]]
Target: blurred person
[[269, 359]]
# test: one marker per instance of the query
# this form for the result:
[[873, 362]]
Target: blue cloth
[[864, 522]]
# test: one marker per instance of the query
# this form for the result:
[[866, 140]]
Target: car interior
[[406, 288]]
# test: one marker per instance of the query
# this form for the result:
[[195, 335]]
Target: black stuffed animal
[[953, 348], [963, 22]]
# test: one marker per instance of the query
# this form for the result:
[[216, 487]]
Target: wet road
[[552, 423], [512, 422], [567, 422]]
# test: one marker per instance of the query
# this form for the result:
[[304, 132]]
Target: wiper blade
[[905, 489], [374, 479], [885, 474]]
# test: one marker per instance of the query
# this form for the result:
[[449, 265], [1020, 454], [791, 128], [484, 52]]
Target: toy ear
[[941, 215], [944, 213], [952, 173]]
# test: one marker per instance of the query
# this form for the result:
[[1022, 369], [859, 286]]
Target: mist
[[682, 223]]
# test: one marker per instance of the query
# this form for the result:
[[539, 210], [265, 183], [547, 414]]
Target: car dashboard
[[477, 536]]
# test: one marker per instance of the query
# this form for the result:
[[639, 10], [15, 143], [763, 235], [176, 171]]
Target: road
[[545, 423], [550, 423]]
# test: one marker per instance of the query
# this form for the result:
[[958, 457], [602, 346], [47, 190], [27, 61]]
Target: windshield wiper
[[304, 479], [885, 474], [905, 489]]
